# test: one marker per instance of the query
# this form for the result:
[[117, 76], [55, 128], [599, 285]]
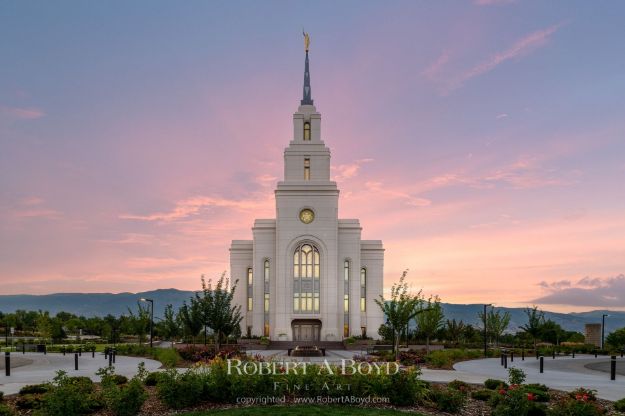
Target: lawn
[[303, 410]]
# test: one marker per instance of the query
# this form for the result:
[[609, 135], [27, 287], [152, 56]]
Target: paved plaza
[[35, 368]]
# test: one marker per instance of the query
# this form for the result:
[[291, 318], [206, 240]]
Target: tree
[[386, 332], [139, 323], [496, 323], [454, 330], [192, 318], [535, 320], [551, 332], [430, 319], [616, 339], [170, 327], [400, 309], [219, 313], [44, 325]]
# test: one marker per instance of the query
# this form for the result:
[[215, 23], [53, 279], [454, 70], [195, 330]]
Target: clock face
[[306, 216]]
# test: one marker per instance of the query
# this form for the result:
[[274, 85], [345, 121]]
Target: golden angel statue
[[306, 40]]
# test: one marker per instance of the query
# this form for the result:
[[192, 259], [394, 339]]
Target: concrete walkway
[[40, 368], [562, 374]]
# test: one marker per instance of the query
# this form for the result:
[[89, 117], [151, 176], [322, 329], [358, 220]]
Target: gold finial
[[306, 40]]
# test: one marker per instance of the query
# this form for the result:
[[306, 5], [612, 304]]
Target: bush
[[118, 379], [28, 402], [152, 378], [34, 389], [538, 394], [447, 358], [483, 395], [123, 399], [68, 396], [574, 407], [619, 405], [410, 358], [516, 376], [6, 410], [459, 385], [582, 394], [167, 356], [493, 384], [447, 399], [180, 390], [536, 386], [515, 402]]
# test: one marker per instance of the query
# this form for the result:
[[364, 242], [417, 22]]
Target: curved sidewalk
[[562, 374], [43, 368]]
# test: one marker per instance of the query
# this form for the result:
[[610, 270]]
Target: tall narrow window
[[306, 279], [307, 169], [346, 299], [250, 289], [266, 303], [363, 290], [307, 131]]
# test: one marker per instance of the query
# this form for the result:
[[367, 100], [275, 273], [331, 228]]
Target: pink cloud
[[22, 113], [347, 171], [435, 67], [192, 206], [520, 48]]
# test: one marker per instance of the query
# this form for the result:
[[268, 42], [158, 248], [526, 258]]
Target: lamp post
[[603, 328], [485, 342], [151, 317]]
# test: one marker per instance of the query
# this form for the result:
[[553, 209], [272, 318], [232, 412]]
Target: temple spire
[[307, 98]]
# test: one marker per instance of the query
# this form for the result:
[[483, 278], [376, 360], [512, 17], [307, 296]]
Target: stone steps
[[285, 345]]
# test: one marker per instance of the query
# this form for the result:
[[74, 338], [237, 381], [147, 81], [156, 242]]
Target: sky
[[483, 141]]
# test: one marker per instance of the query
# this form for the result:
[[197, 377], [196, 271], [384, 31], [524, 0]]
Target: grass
[[302, 410]]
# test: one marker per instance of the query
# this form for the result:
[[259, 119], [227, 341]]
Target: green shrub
[[483, 395], [537, 386], [538, 394], [68, 396], [167, 356], [619, 405], [459, 385], [34, 389], [574, 407], [123, 398], [180, 390], [447, 400], [405, 388], [493, 384], [6, 410], [119, 379], [446, 358], [152, 378], [516, 376], [28, 402], [515, 402], [583, 394]]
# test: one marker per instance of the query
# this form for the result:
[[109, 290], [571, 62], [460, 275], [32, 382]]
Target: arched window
[[306, 279], [307, 131], [346, 268], [363, 290]]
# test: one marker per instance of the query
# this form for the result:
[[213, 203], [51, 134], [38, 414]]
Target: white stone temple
[[307, 275]]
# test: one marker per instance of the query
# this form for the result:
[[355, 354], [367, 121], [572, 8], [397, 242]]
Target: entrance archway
[[306, 330]]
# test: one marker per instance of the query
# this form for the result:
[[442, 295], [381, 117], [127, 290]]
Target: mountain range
[[100, 304]]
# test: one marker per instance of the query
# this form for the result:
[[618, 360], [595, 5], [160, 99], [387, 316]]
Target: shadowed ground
[[605, 367], [16, 362]]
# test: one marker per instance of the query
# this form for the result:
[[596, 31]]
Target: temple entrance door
[[306, 330]]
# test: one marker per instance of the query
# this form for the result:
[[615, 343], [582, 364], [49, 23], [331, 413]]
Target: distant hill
[[568, 321], [100, 304]]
